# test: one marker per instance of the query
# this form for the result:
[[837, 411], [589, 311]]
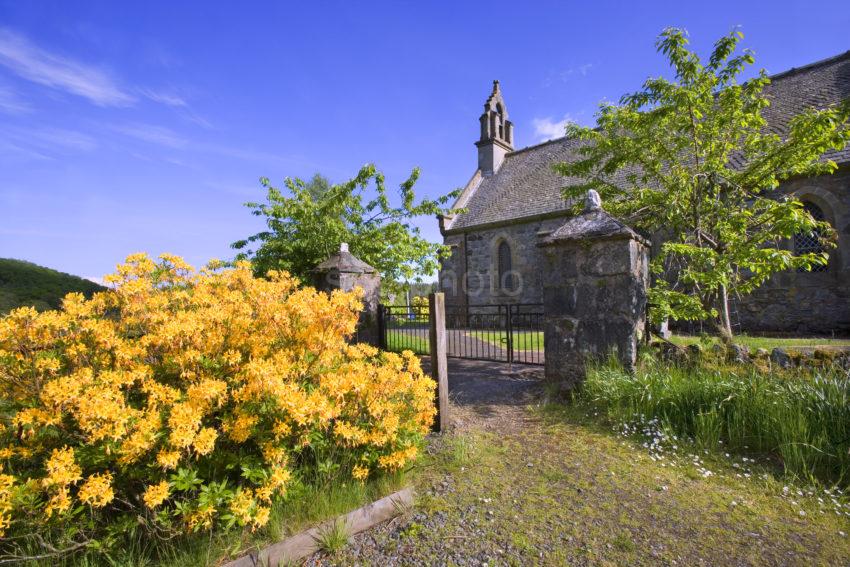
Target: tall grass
[[800, 417]]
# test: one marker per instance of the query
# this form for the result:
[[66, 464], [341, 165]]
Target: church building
[[514, 198]]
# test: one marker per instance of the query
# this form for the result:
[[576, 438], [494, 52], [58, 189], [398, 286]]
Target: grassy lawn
[[399, 340], [768, 343], [564, 489], [523, 340]]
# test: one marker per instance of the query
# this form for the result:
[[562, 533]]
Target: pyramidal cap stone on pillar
[[344, 271], [595, 276]]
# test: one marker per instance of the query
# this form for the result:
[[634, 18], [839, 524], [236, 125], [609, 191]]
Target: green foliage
[[333, 537], [801, 418], [306, 223], [693, 159], [767, 343], [24, 284]]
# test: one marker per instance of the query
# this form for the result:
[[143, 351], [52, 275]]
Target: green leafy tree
[[692, 159], [318, 186], [307, 223]]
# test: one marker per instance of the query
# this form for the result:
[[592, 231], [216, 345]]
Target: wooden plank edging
[[305, 543]]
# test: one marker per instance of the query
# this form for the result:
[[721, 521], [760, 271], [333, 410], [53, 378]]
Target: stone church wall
[[809, 302], [477, 252], [791, 302]]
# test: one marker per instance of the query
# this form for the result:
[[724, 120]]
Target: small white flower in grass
[[802, 513]]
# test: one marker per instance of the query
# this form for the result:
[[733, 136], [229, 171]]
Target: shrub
[[182, 400], [801, 417]]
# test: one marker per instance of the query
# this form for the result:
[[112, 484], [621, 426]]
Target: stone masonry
[[595, 275], [344, 271]]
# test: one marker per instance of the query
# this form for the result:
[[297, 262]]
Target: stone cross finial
[[592, 202], [343, 247]]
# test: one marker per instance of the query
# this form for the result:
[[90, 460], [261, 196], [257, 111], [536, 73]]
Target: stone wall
[[809, 302], [594, 276], [476, 252]]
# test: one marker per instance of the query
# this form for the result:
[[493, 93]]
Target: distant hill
[[24, 283]]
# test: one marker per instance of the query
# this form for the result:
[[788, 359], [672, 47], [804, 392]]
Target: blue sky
[[144, 126]]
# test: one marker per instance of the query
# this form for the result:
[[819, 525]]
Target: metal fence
[[404, 327], [498, 332]]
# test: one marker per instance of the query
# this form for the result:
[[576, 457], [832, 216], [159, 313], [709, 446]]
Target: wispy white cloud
[[43, 143], [153, 134], [11, 103], [58, 72], [61, 138], [170, 139], [171, 97], [10, 149], [49, 69], [165, 97], [549, 129], [568, 74]]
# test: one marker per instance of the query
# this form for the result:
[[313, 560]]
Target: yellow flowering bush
[[182, 399]]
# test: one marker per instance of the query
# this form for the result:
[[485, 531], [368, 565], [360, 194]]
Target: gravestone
[[595, 277], [344, 271]]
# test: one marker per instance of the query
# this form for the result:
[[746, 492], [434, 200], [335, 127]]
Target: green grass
[[522, 340], [799, 418], [768, 343], [563, 489], [399, 340], [27, 284], [334, 537]]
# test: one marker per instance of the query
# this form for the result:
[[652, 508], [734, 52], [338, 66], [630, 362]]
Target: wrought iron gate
[[499, 332]]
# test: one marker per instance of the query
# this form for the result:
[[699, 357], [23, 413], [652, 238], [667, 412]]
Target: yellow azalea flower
[[359, 472], [240, 429], [6, 483], [62, 470], [60, 502], [261, 517], [168, 459], [202, 518], [156, 494], [280, 477], [242, 506], [97, 490], [205, 441]]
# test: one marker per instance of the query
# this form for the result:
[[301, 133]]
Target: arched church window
[[506, 276], [810, 242]]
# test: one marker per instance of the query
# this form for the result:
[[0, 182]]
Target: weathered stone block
[[344, 271], [596, 307]]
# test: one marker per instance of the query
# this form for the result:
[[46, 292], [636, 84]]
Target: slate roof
[[592, 225], [345, 262], [526, 186]]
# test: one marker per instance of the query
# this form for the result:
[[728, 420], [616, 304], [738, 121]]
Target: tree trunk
[[724, 325]]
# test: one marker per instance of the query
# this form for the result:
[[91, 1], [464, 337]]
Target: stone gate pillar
[[595, 276], [345, 271]]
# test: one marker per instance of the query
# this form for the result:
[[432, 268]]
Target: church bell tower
[[497, 133]]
